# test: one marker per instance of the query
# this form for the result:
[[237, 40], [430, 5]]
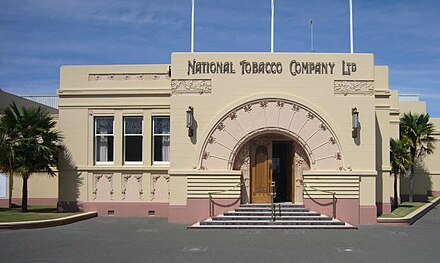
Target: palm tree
[[6, 156], [30, 142], [400, 161], [417, 130]]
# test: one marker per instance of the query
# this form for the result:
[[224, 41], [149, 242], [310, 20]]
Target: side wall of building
[[115, 187], [42, 188], [427, 173]]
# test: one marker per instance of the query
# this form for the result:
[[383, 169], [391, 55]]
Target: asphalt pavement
[[108, 239]]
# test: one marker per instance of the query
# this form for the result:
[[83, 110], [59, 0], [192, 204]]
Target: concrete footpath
[[407, 220], [412, 217], [156, 240], [47, 223]]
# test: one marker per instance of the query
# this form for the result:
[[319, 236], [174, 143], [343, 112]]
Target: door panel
[[261, 173]]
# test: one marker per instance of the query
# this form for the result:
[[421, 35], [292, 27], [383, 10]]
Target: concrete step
[[268, 209], [199, 226], [277, 205], [259, 216], [270, 222], [283, 214], [282, 218]]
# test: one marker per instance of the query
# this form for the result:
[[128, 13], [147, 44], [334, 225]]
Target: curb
[[47, 223], [412, 217]]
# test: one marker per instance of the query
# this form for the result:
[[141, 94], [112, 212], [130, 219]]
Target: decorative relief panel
[[103, 187], [128, 77], [132, 187], [159, 191], [242, 163], [354, 88], [191, 86], [301, 164], [271, 117]]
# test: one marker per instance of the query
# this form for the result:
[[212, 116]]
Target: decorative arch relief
[[159, 191], [132, 187], [103, 187], [301, 124]]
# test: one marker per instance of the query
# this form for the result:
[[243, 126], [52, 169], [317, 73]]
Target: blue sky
[[38, 36]]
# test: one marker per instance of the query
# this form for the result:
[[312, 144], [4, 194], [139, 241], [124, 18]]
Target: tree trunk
[[11, 186], [24, 198], [396, 200], [411, 183]]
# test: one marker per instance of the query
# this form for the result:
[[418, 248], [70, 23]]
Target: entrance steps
[[259, 216]]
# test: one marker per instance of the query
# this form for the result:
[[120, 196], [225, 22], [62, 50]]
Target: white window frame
[[153, 135], [95, 150], [142, 135]]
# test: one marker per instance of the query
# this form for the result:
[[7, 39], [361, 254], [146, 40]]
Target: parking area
[[155, 240]]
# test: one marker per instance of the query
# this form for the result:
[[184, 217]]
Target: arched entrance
[[267, 139], [271, 157]]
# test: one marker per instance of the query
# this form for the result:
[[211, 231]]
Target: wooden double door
[[272, 161]]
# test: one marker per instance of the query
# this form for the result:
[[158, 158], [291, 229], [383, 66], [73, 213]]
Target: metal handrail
[[324, 191], [211, 210], [273, 194]]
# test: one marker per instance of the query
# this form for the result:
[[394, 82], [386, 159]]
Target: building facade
[[160, 140]]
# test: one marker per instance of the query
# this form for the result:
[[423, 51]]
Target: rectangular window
[[133, 139], [104, 140], [161, 139]]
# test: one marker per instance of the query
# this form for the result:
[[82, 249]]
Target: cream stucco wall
[[118, 91], [315, 92], [432, 162], [40, 185], [385, 129]]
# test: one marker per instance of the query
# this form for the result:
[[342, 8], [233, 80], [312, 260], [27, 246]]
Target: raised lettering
[[279, 68], [191, 66]]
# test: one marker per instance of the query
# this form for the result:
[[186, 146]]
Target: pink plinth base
[[37, 201], [118, 209], [433, 193], [198, 209], [368, 215], [4, 203], [347, 210], [384, 208]]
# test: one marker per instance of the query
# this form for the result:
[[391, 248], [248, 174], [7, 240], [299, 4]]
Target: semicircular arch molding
[[301, 123]]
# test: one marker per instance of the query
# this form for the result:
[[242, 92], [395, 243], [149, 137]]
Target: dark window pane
[[133, 125], [133, 148], [104, 125], [157, 148], [162, 125]]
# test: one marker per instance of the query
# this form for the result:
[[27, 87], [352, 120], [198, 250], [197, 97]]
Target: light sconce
[[355, 122], [190, 120]]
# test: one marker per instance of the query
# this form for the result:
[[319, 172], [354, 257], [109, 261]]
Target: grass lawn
[[34, 213], [405, 208]]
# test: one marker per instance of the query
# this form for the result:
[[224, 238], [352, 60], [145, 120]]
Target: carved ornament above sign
[[354, 88], [191, 86]]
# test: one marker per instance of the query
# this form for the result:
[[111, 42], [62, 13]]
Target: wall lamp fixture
[[355, 122], [190, 121]]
